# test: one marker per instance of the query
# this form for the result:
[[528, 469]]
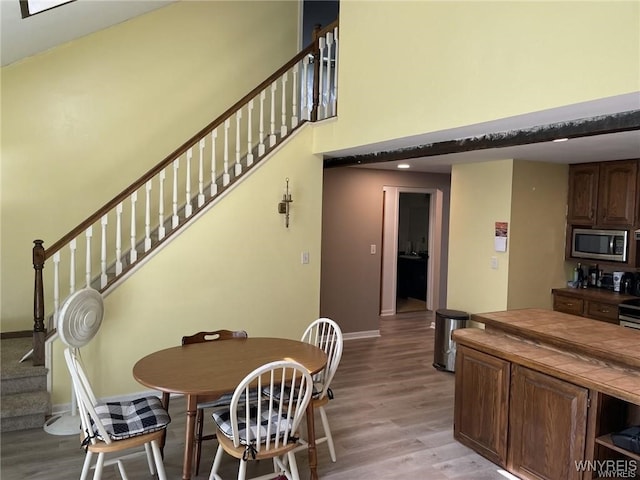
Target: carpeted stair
[[24, 400]]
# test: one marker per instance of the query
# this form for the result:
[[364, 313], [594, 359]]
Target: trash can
[[444, 349]]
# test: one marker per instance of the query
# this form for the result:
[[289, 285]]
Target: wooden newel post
[[39, 332], [316, 72]]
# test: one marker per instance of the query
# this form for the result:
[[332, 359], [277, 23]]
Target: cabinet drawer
[[603, 311], [566, 304]]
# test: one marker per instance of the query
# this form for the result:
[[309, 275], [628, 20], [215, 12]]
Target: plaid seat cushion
[[127, 419], [223, 420], [225, 400], [315, 393]]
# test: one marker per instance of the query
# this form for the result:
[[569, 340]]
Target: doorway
[[413, 252], [394, 244]]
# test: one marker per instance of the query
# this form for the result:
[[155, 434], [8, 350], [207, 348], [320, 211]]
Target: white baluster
[[201, 173], [175, 219], [188, 209], [161, 230], [238, 165], [72, 266], [225, 167], [294, 97], [272, 136], [147, 217], [56, 286], [87, 261], [119, 239], [283, 126], [249, 136], [334, 96], [304, 96], [103, 251], [133, 253], [329, 78], [261, 149], [214, 184], [321, 82]]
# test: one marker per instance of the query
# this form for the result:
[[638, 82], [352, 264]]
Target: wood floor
[[392, 418]]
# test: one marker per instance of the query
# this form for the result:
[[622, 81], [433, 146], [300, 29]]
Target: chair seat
[[225, 400], [279, 423], [128, 419], [315, 393]]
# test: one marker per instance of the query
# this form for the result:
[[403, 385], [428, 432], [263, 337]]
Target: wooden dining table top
[[217, 367]]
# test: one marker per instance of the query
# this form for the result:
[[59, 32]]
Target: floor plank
[[392, 417]]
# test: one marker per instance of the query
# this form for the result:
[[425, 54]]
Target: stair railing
[[154, 207]]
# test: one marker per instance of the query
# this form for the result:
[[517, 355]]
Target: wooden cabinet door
[[617, 193], [482, 403], [583, 194], [547, 421]]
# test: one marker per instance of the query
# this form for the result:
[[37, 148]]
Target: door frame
[[388, 287]]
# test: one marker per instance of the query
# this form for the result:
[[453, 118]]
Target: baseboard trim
[[363, 334]]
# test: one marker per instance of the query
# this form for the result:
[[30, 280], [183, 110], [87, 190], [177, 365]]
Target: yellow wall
[[407, 67], [537, 233], [83, 120], [480, 196], [532, 197], [237, 267]]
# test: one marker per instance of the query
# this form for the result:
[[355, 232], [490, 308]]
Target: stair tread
[[19, 404], [11, 351]]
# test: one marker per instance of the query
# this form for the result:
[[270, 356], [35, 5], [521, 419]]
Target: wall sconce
[[283, 206]]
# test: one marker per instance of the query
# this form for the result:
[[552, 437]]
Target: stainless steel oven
[[629, 313]]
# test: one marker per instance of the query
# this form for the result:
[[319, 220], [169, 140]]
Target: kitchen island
[[539, 392]]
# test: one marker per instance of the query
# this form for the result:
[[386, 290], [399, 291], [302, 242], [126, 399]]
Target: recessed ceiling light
[[404, 165], [557, 140]]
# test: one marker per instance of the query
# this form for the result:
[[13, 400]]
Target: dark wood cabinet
[[603, 194], [617, 193], [583, 193], [547, 423], [592, 303], [482, 403]]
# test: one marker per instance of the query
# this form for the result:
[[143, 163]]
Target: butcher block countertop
[[586, 352]]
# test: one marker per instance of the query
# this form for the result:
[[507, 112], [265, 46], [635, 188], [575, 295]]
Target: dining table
[[207, 370]]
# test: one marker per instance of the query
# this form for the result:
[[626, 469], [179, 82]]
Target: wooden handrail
[[309, 50], [40, 254]]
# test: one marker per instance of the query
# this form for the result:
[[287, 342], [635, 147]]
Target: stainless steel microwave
[[609, 245]]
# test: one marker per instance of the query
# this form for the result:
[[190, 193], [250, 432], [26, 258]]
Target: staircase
[[24, 400], [106, 248]]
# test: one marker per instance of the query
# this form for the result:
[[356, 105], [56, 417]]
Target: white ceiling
[[21, 38]]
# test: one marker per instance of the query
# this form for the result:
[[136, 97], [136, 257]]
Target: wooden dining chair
[[114, 427], [267, 429], [325, 334], [222, 401]]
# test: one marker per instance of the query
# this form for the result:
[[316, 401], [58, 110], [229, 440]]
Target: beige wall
[[480, 196], [537, 233], [82, 121], [351, 222], [237, 267], [408, 68], [532, 197]]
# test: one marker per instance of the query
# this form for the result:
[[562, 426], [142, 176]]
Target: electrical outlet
[[494, 263]]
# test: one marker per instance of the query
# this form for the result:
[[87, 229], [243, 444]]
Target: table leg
[[311, 438], [192, 408], [165, 404]]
